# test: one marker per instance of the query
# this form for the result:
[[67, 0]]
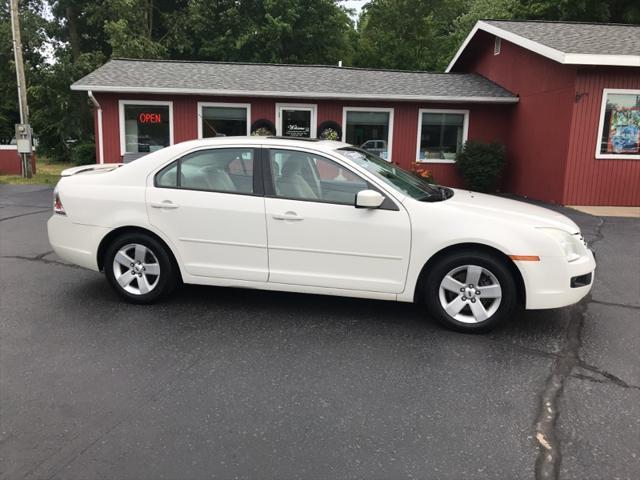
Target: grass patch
[[47, 173]]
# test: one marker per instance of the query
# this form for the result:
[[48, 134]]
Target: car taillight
[[57, 203]]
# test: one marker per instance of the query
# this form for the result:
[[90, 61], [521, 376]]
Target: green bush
[[481, 165], [83, 153]]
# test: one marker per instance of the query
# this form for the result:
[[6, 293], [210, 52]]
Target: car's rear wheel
[[471, 291], [139, 268]]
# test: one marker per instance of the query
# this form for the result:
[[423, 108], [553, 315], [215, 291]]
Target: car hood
[[506, 209]]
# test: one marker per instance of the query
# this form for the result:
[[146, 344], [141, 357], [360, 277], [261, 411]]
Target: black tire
[[494, 269], [163, 284]]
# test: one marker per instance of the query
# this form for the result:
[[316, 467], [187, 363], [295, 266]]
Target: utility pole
[[23, 129]]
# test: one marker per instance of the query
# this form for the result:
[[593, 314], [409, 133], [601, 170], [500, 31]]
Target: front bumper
[[553, 282], [74, 242]]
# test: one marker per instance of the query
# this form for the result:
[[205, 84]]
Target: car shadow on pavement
[[206, 308]]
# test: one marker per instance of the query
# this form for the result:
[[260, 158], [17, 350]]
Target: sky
[[355, 4]]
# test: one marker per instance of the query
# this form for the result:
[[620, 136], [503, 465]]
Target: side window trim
[[269, 181]]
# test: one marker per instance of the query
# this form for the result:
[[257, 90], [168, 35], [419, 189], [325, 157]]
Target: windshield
[[392, 175]]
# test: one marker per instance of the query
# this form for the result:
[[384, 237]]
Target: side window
[[168, 176], [216, 170], [305, 176]]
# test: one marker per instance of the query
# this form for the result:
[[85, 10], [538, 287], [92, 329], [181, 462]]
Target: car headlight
[[572, 245]]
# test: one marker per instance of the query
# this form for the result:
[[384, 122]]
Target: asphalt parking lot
[[229, 383]]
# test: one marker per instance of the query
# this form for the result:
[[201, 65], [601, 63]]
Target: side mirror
[[369, 199]]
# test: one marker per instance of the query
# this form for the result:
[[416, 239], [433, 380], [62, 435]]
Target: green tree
[[406, 34], [478, 10], [33, 30], [617, 11], [278, 31]]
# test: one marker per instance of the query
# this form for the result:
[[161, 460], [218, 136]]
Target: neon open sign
[[146, 117]]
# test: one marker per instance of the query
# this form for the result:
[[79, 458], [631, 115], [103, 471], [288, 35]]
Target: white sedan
[[315, 217]]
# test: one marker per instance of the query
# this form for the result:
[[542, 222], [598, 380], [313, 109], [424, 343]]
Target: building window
[[296, 120], [497, 43], [145, 126], [223, 119], [619, 130], [441, 134], [369, 128]]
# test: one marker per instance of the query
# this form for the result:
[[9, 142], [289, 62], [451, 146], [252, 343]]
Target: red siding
[[11, 164], [554, 128], [591, 181], [537, 144], [486, 123]]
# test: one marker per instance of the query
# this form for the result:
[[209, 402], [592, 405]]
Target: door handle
[[287, 216], [167, 204]]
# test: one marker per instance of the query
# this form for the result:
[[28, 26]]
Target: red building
[[563, 97], [574, 82]]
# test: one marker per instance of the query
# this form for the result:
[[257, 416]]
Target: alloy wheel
[[136, 269], [470, 294]]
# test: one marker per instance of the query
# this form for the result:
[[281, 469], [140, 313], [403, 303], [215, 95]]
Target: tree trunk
[[74, 38]]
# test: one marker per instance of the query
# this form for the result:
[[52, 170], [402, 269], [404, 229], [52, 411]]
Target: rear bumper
[[74, 242], [553, 282]]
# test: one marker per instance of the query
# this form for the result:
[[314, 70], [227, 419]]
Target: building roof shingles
[[577, 38], [317, 81]]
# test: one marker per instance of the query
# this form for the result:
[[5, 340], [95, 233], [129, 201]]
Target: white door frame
[[307, 107]]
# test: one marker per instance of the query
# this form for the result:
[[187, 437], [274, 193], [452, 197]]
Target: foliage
[[329, 134], [421, 170], [425, 34], [45, 173], [481, 165], [262, 132], [33, 39], [406, 34], [63, 40], [83, 153]]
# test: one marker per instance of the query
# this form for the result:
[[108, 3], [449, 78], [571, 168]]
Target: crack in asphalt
[[614, 304], [549, 454], [40, 258], [549, 458], [3, 205], [24, 214], [606, 380]]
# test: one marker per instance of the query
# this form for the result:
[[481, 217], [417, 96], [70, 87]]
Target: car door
[[210, 204], [317, 237]]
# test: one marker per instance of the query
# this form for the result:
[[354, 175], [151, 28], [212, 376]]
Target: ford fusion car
[[316, 217]]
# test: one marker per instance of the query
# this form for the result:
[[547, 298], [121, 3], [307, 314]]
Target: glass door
[[295, 120]]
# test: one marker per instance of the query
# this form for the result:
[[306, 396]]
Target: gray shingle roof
[[305, 81], [578, 38]]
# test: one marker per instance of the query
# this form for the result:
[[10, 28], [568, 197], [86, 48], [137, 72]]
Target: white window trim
[[312, 107], [246, 106], [390, 111], [465, 132], [603, 106], [121, 105]]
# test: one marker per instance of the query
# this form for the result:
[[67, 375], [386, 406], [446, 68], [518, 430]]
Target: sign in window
[[620, 125], [146, 128], [296, 123]]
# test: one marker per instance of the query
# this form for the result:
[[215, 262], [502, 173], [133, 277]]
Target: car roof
[[316, 144]]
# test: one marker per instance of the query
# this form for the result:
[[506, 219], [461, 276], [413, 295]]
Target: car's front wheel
[[471, 291], [139, 268]]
